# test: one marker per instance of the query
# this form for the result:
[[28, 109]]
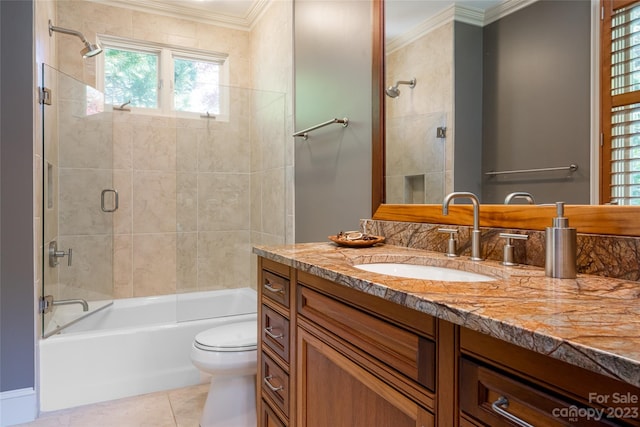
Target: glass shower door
[[79, 201]]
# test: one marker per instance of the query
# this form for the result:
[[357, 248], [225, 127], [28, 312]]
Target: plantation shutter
[[622, 114]]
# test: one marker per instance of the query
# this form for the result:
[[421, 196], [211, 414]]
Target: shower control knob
[[54, 254]]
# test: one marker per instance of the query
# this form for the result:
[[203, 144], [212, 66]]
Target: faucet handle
[[508, 257], [452, 248]]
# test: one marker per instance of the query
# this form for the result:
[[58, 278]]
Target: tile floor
[[172, 408]]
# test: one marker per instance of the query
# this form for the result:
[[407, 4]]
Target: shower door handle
[[115, 206]]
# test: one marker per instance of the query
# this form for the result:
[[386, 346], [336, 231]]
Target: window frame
[[608, 101], [166, 54]]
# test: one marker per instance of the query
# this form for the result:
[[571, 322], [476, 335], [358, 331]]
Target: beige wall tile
[[122, 143], [256, 201], [224, 260], [79, 209], [90, 275], [154, 264], [154, 147], [187, 262], [154, 202], [273, 199], [187, 142], [123, 217], [187, 202], [224, 150], [85, 141], [122, 266], [223, 201]]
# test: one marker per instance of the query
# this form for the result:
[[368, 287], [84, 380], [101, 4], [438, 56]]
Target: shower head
[[394, 92], [89, 49]]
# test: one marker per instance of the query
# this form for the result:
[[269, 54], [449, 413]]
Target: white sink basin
[[426, 272]]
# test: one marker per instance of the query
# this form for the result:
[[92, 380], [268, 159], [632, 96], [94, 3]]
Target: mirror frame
[[590, 219]]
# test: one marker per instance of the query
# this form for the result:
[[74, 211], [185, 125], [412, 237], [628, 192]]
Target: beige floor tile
[[173, 408], [187, 404], [151, 410]]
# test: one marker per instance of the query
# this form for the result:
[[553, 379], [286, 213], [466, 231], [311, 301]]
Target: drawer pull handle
[[267, 381], [269, 332], [270, 288], [500, 405]]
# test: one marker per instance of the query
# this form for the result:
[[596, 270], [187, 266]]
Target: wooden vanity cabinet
[[500, 381], [333, 356], [276, 345], [361, 361]]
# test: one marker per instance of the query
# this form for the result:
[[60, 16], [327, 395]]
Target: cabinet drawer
[[493, 398], [275, 287], [275, 332], [405, 351], [275, 383]]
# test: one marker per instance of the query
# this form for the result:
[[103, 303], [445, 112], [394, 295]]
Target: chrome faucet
[[475, 234], [519, 195], [83, 303]]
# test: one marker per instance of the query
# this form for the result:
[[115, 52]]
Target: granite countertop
[[590, 321]]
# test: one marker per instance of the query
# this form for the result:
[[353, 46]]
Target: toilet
[[228, 353]]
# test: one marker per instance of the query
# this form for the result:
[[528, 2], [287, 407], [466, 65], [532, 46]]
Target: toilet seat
[[240, 336]]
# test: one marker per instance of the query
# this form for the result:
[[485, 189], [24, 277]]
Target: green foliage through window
[[196, 86], [131, 76]]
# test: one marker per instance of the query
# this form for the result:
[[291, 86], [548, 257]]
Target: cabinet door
[[333, 391], [268, 418]]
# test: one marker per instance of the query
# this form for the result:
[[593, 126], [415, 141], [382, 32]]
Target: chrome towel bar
[[571, 167], [305, 133]]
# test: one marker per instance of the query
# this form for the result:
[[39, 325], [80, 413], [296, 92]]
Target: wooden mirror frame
[[591, 219]]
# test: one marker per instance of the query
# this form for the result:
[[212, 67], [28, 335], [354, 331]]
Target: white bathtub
[[134, 346]]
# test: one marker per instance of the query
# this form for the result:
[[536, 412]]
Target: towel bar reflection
[[305, 133], [572, 167]]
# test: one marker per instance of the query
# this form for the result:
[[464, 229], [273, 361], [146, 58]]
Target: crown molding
[[179, 11], [505, 8], [468, 15]]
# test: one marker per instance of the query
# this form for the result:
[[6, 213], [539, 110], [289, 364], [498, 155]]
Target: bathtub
[[133, 346]]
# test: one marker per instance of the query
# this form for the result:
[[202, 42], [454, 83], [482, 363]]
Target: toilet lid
[[241, 336]]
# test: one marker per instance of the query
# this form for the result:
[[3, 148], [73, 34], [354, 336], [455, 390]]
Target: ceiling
[[242, 14]]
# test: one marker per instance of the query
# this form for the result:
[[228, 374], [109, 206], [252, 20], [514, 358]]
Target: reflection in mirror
[[415, 152], [511, 97]]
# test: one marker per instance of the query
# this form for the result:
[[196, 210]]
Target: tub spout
[[83, 303]]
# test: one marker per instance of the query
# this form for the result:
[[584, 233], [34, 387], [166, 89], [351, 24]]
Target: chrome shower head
[[394, 92], [89, 49]]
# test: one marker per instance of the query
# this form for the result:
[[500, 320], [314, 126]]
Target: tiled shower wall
[[194, 194], [419, 164]]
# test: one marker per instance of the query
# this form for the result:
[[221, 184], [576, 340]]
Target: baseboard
[[18, 406]]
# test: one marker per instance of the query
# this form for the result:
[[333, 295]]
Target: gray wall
[[16, 189], [536, 101], [468, 108], [332, 57]]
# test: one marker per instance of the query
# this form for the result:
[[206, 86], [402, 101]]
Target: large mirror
[[486, 97]]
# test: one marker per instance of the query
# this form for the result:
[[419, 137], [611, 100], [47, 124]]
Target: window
[[196, 85], [620, 156], [163, 79], [131, 76]]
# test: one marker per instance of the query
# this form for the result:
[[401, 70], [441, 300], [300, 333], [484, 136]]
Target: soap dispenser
[[560, 260]]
